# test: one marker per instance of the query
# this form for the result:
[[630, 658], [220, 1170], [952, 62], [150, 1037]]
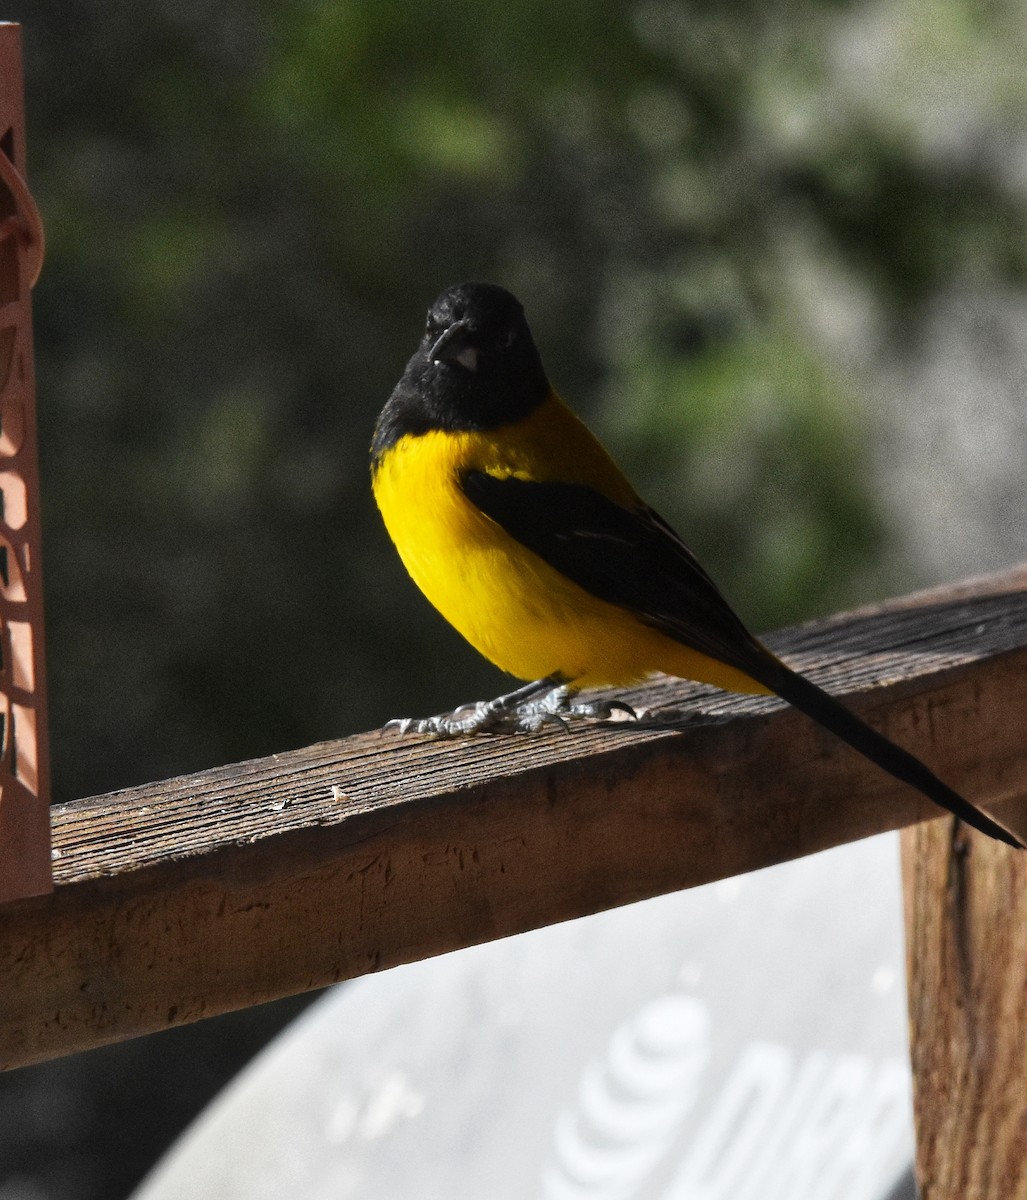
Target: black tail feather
[[823, 708]]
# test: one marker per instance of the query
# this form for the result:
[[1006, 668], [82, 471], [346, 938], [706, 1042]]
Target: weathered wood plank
[[966, 923], [191, 897]]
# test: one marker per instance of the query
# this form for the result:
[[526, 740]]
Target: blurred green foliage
[[249, 206]]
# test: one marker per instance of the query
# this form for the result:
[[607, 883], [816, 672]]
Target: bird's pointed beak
[[456, 345]]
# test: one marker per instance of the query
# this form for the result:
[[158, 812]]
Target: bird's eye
[[506, 339], [432, 324]]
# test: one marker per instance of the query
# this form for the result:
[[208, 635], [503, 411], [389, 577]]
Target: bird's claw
[[603, 710], [556, 707], [469, 718]]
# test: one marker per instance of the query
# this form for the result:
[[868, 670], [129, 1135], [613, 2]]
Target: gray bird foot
[[527, 710], [562, 704]]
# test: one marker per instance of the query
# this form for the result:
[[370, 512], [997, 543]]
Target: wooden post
[[966, 930], [24, 763]]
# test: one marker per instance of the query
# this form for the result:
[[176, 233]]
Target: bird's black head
[[477, 367]]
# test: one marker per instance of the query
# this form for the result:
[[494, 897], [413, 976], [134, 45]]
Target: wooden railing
[[179, 900]]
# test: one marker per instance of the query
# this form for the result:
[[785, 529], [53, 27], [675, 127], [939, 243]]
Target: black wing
[[628, 557], [632, 558]]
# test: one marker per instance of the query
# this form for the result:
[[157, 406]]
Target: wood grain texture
[[187, 898], [966, 920]]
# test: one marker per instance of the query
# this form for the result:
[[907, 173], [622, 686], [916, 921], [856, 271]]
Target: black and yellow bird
[[522, 531]]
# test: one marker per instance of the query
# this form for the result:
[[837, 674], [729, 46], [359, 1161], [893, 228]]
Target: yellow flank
[[519, 612]]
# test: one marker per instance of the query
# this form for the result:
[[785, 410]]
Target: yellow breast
[[519, 612]]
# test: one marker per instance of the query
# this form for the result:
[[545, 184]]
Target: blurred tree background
[[774, 253]]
